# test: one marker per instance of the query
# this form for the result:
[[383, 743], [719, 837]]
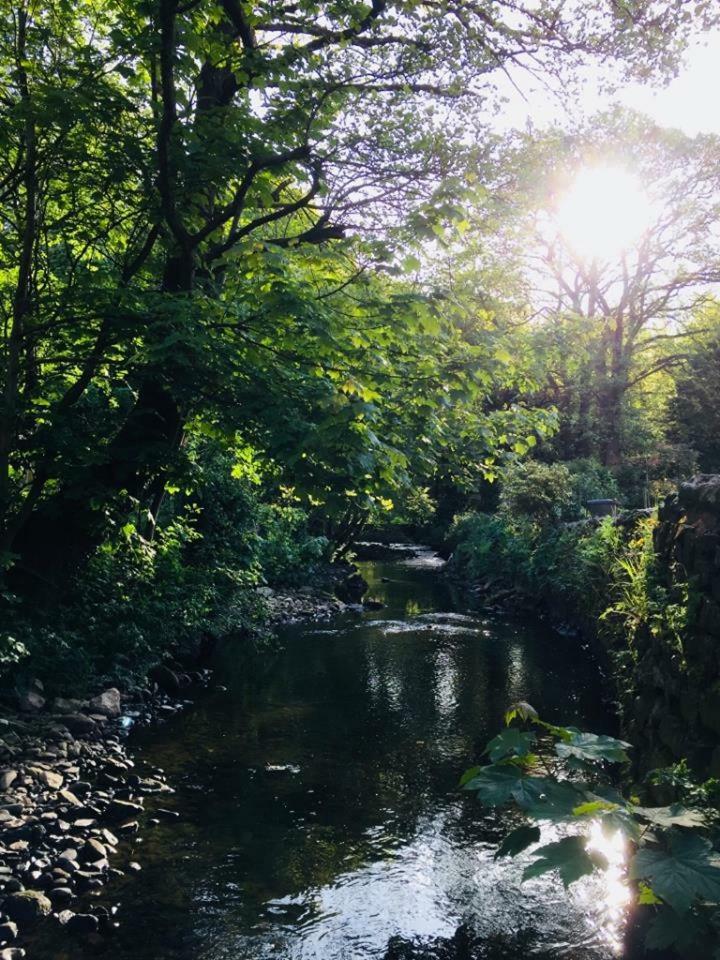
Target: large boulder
[[106, 703]]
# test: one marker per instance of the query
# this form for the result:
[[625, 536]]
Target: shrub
[[541, 492], [591, 480]]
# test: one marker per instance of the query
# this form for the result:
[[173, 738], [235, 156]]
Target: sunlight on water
[[617, 895]]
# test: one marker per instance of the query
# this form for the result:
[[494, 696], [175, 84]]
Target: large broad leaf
[[688, 871], [592, 746], [546, 799], [510, 743], [670, 929], [673, 816], [494, 785], [568, 856], [619, 820], [517, 841]]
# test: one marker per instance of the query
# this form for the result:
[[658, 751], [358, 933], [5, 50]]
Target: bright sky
[[691, 102]]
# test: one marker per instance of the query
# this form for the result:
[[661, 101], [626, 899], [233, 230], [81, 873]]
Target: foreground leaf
[[669, 929], [517, 841], [675, 815], [593, 746], [688, 871], [546, 799], [510, 743], [568, 856], [494, 785]]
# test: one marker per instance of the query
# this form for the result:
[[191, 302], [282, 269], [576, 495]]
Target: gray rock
[[119, 811], [48, 777], [79, 724], [8, 932], [26, 907], [30, 701], [61, 705], [12, 953], [7, 778], [92, 851], [107, 703]]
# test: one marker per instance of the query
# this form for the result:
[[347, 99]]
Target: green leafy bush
[[541, 492], [141, 596]]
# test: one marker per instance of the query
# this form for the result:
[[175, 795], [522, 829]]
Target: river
[[319, 815]]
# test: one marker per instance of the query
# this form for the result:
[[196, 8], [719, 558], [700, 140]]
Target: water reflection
[[320, 818]]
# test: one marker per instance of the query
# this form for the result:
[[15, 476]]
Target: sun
[[604, 213]]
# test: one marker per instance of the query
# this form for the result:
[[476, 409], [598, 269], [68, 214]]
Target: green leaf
[[669, 929], [469, 775], [520, 711], [592, 746], [622, 821], [494, 785], [511, 742], [517, 841], [568, 856], [676, 815], [545, 799], [688, 871], [646, 898]]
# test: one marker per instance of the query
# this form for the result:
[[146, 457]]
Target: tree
[[611, 324], [693, 414], [157, 152]]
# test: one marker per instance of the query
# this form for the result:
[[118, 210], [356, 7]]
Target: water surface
[[319, 812]]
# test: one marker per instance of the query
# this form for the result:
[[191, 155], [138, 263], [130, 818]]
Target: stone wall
[[672, 709]]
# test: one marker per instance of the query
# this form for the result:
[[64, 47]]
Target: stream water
[[319, 812]]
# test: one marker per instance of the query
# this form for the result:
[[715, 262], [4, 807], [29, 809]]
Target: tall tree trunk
[[22, 296]]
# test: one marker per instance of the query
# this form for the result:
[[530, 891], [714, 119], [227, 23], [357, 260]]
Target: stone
[[92, 851], [60, 896], [7, 778], [12, 953], [165, 678], [107, 703], [8, 932], [372, 604], [79, 724], [48, 777], [82, 924], [26, 907], [30, 701], [119, 811], [69, 797], [61, 705]]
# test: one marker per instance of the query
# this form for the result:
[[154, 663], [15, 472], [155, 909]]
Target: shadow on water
[[319, 814]]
